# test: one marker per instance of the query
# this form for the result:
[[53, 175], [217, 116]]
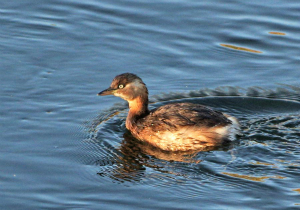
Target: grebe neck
[[138, 108]]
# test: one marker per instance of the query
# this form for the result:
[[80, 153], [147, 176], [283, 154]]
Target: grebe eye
[[121, 86]]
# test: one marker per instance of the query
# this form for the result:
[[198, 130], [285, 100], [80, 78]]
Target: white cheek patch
[[137, 83], [136, 87], [132, 90]]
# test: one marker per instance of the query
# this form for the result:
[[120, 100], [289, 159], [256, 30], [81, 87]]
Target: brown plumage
[[172, 127]]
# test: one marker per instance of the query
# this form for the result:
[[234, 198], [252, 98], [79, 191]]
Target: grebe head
[[127, 86], [132, 89]]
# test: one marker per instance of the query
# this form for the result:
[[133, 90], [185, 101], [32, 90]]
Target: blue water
[[62, 147]]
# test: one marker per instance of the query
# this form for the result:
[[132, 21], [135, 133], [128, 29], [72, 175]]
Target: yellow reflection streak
[[262, 163], [297, 190], [277, 33], [252, 178], [240, 48]]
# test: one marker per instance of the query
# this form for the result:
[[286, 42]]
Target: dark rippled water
[[62, 147]]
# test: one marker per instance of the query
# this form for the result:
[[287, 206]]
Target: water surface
[[62, 147]]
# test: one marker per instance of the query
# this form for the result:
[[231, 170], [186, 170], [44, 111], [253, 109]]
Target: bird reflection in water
[[133, 157]]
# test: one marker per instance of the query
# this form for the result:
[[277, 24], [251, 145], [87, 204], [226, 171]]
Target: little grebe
[[172, 127]]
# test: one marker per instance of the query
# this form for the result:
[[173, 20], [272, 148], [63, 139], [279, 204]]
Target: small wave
[[269, 119]]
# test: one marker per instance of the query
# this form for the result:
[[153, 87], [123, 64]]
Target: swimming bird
[[171, 127]]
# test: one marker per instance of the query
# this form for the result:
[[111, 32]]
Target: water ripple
[[262, 155]]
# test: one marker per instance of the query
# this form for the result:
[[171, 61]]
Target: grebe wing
[[173, 116]]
